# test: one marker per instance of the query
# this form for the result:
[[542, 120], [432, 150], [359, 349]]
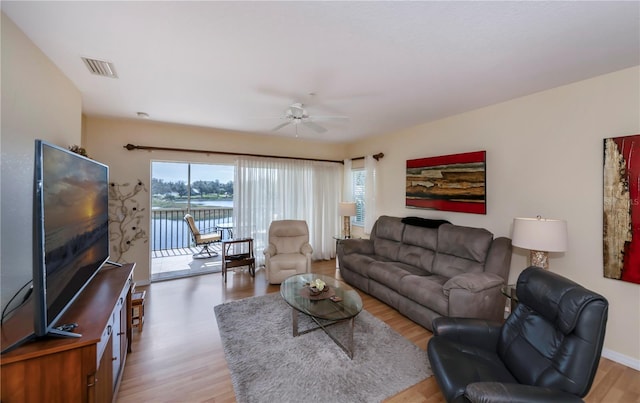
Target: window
[[191, 185], [358, 182], [203, 190]]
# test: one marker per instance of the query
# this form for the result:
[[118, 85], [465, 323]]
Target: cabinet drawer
[[111, 324], [104, 339]]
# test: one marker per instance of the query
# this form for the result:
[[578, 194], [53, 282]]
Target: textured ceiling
[[384, 65]]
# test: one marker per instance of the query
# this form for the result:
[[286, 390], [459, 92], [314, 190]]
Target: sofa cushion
[[358, 263], [386, 248], [391, 273], [421, 259], [387, 237], [461, 250], [389, 228], [418, 247], [426, 238], [426, 291]]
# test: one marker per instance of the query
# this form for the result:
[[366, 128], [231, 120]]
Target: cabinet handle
[[121, 299], [109, 329], [120, 334], [114, 358]]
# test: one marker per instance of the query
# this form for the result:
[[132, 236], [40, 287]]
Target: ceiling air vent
[[100, 67]]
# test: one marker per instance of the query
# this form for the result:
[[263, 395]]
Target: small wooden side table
[[237, 253], [137, 309]]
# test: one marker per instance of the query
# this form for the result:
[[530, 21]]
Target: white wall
[[106, 137], [38, 101], [544, 157]]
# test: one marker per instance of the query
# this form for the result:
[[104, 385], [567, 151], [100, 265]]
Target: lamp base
[[539, 259], [346, 227]]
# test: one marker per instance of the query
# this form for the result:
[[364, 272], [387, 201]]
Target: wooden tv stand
[[84, 369]]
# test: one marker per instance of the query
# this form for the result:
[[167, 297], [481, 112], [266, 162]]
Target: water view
[[203, 190]]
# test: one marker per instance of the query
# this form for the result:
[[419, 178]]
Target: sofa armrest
[[472, 282], [496, 392], [478, 332], [475, 295], [364, 246], [270, 250], [306, 249], [499, 258]]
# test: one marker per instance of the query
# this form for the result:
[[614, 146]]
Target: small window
[[358, 178]]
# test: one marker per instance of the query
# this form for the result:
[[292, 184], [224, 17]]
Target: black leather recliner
[[548, 349]]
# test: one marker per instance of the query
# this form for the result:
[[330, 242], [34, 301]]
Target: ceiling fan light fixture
[[295, 114]]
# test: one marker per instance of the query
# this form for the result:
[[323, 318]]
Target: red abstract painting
[[621, 229], [450, 182]]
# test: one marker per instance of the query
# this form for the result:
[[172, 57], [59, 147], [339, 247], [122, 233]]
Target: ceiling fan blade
[[314, 126], [280, 126], [331, 118]]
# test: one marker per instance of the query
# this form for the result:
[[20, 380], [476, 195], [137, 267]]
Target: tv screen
[[71, 234]]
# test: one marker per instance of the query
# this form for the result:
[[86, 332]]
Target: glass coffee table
[[338, 304]]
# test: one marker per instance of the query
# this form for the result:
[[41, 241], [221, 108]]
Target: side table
[[228, 227], [509, 291], [339, 238], [237, 253]]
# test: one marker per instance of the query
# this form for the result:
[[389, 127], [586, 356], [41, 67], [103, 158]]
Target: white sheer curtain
[[347, 182], [370, 192], [268, 189]]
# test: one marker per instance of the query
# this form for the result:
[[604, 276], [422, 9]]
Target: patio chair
[[203, 239]]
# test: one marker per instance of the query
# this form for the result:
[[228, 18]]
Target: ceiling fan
[[296, 115]]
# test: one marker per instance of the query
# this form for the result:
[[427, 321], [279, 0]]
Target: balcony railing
[[170, 231]]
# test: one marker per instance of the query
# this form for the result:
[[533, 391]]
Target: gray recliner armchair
[[548, 349]]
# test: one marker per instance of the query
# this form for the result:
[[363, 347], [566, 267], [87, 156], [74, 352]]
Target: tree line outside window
[[198, 188]]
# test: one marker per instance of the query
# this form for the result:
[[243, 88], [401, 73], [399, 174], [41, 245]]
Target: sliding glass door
[[178, 188]]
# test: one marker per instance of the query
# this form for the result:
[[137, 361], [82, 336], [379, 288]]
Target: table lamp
[[540, 236], [346, 210]]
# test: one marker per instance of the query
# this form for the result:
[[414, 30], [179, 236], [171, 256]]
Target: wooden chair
[[137, 309], [205, 240]]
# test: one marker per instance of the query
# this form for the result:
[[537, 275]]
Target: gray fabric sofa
[[426, 272]]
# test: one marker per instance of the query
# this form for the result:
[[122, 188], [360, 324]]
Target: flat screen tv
[[70, 232]]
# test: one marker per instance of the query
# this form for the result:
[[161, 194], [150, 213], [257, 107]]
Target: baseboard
[[621, 359]]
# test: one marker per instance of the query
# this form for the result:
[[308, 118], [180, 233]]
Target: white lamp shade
[[346, 209], [540, 234]]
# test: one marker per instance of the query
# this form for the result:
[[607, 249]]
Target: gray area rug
[[268, 364]]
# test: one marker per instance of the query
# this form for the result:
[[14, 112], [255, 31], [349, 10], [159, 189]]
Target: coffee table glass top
[[350, 306]]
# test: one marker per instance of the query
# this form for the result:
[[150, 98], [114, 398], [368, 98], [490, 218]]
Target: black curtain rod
[[375, 156], [132, 147]]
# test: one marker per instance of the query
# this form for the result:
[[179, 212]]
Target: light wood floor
[[178, 357]]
